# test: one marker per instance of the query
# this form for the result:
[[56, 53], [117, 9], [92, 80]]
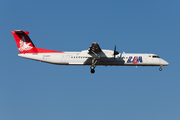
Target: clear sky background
[[31, 90]]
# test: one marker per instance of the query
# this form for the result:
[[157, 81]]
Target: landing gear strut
[[93, 65], [160, 69]]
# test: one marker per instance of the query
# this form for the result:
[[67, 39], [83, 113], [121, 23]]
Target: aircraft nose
[[165, 62]]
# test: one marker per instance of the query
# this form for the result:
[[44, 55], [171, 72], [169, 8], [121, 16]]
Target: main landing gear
[[160, 69], [94, 61], [92, 70]]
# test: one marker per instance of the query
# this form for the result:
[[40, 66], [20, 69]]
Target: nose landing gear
[[160, 69]]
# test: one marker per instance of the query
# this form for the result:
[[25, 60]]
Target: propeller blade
[[115, 52], [115, 48]]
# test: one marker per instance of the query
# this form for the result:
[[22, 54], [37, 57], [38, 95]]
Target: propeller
[[115, 52]]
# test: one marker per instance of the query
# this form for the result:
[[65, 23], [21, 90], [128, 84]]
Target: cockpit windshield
[[155, 56]]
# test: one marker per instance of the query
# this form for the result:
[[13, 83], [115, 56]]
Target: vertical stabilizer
[[24, 43]]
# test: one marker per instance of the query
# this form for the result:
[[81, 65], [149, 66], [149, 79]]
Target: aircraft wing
[[94, 48]]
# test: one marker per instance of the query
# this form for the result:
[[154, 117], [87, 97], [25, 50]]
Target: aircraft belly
[[78, 62], [31, 56], [49, 58]]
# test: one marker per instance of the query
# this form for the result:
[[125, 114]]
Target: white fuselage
[[106, 57]]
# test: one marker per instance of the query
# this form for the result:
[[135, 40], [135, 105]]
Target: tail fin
[[24, 43]]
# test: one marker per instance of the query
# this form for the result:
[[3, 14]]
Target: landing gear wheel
[[92, 67], [92, 71], [160, 69]]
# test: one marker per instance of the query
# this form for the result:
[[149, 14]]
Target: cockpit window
[[155, 56]]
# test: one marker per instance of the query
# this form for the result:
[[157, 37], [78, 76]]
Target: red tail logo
[[24, 46]]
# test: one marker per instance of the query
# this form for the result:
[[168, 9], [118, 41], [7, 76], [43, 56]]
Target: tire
[[92, 71]]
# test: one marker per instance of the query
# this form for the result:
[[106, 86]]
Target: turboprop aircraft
[[94, 56]]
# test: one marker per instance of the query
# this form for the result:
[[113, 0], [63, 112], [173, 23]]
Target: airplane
[[94, 56]]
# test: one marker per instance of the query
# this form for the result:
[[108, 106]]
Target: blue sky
[[35, 90]]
